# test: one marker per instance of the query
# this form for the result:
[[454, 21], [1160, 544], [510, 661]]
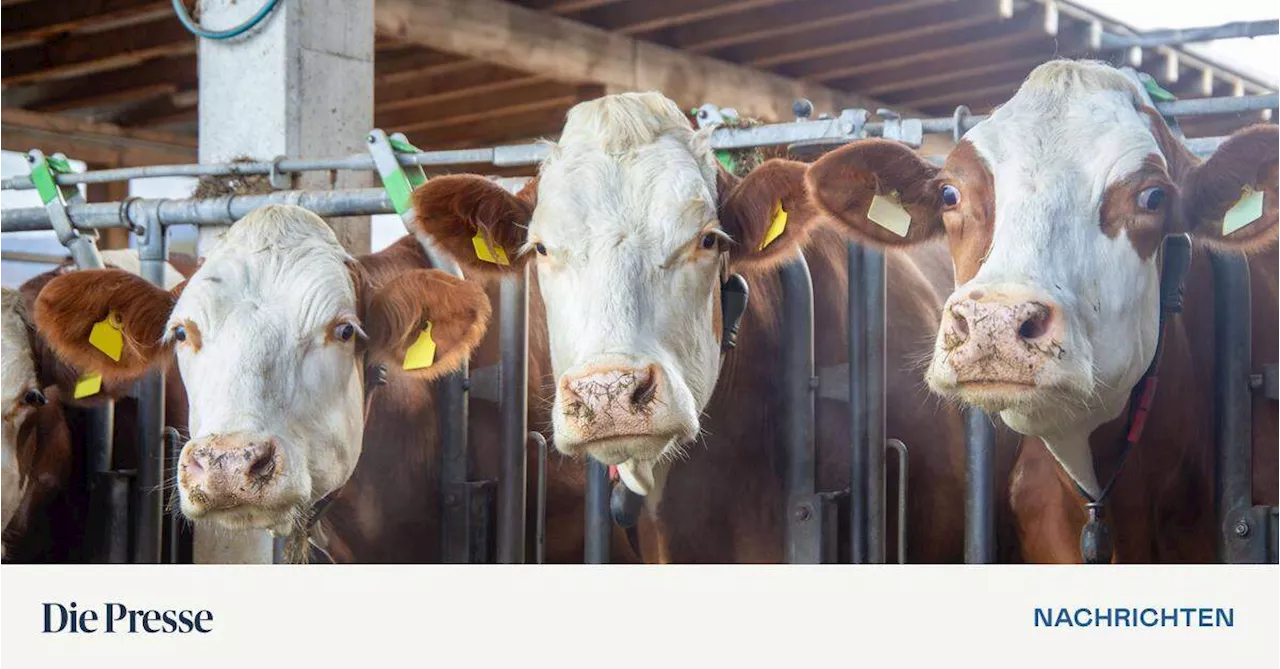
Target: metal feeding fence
[[132, 523]]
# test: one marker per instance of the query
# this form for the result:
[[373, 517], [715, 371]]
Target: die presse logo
[[116, 618]]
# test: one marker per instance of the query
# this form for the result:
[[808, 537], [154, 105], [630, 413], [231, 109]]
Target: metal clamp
[[907, 131], [958, 122], [56, 197], [278, 179]]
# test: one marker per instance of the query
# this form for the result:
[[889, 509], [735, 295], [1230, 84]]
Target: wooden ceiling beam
[[98, 52], [479, 106], [434, 87], [843, 38], [634, 18], [88, 91], [100, 143], [29, 24], [571, 52]]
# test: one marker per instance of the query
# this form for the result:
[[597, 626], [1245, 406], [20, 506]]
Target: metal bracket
[[907, 131], [56, 197], [1253, 536], [1267, 383]]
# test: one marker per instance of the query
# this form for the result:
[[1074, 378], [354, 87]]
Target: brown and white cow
[[1054, 208], [266, 349], [629, 225], [45, 489]]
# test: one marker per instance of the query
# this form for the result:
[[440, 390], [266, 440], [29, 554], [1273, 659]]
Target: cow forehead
[[656, 192], [292, 271]]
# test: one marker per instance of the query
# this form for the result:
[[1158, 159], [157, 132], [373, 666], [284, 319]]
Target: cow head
[[1054, 207], [21, 399], [272, 336], [630, 224]]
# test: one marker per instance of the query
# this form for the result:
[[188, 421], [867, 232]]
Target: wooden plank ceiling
[[131, 64]]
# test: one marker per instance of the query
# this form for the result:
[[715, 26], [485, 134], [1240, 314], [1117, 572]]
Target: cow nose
[[602, 392], [990, 334], [229, 470]]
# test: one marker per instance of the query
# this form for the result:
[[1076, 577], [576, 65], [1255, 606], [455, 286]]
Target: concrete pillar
[[301, 85]]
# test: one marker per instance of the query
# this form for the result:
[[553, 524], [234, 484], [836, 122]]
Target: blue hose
[[181, 10]]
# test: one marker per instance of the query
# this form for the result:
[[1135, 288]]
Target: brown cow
[[631, 224], [273, 335], [1054, 208]]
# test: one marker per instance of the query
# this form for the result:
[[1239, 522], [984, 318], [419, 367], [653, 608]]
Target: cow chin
[[279, 520], [1048, 390]]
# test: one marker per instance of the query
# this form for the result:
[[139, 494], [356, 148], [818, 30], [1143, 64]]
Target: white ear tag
[[1245, 211], [886, 212]]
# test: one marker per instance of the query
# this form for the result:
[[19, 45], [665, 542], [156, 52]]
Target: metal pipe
[[979, 487], [513, 405], [873, 293], [803, 545], [903, 470], [540, 536], [1175, 37], [598, 530], [173, 522], [99, 440], [148, 512], [108, 527], [1233, 473], [859, 475], [531, 154]]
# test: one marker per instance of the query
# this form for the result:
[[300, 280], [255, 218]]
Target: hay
[[237, 184]]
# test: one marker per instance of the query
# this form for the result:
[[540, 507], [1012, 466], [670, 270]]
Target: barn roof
[[121, 76]]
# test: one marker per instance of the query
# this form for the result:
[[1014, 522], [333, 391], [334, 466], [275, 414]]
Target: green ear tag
[[106, 336], [886, 212], [1245, 211], [423, 352], [777, 225], [88, 385]]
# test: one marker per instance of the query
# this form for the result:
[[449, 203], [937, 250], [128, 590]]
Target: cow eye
[[540, 248], [35, 398], [345, 331], [709, 241], [950, 195], [1151, 198], [180, 333]]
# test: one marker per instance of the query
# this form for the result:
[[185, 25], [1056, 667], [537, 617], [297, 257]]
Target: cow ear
[[767, 213], [476, 221], [1230, 199], [426, 322], [89, 317], [847, 183]]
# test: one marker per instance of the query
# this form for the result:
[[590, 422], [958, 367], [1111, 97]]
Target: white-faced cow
[[1055, 208], [631, 225], [272, 335]]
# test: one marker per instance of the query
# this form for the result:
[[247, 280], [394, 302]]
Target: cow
[[45, 484], [632, 226], [1054, 209], [273, 337]]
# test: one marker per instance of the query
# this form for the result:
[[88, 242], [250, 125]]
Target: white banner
[[610, 617]]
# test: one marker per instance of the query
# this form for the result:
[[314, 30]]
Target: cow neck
[[1095, 544], [625, 504]]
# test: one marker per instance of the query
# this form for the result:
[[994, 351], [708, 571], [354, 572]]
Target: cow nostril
[[262, 460], [194, 466], [645, 391], [959, 324], [1036, 324]]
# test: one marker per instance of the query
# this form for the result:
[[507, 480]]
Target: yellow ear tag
[[886, 212], [88, 385], [1245, 211], [423, 352], [495, 255], [777, 226], [106, 336]]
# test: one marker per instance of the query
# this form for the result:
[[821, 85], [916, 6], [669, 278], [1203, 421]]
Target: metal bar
[[901, 450], [1175, 37], [148, 511], [40, 258], [859, 475], [873, 293], [979, 487], [598, 528], [540, 536], [804, 535], [513, 405], [108, 527], [531, 154], [174, 542], [1233, 489]]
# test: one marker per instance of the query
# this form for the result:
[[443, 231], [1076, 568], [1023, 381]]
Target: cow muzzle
[[618, 409], [1000, 341], [238, 480]]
